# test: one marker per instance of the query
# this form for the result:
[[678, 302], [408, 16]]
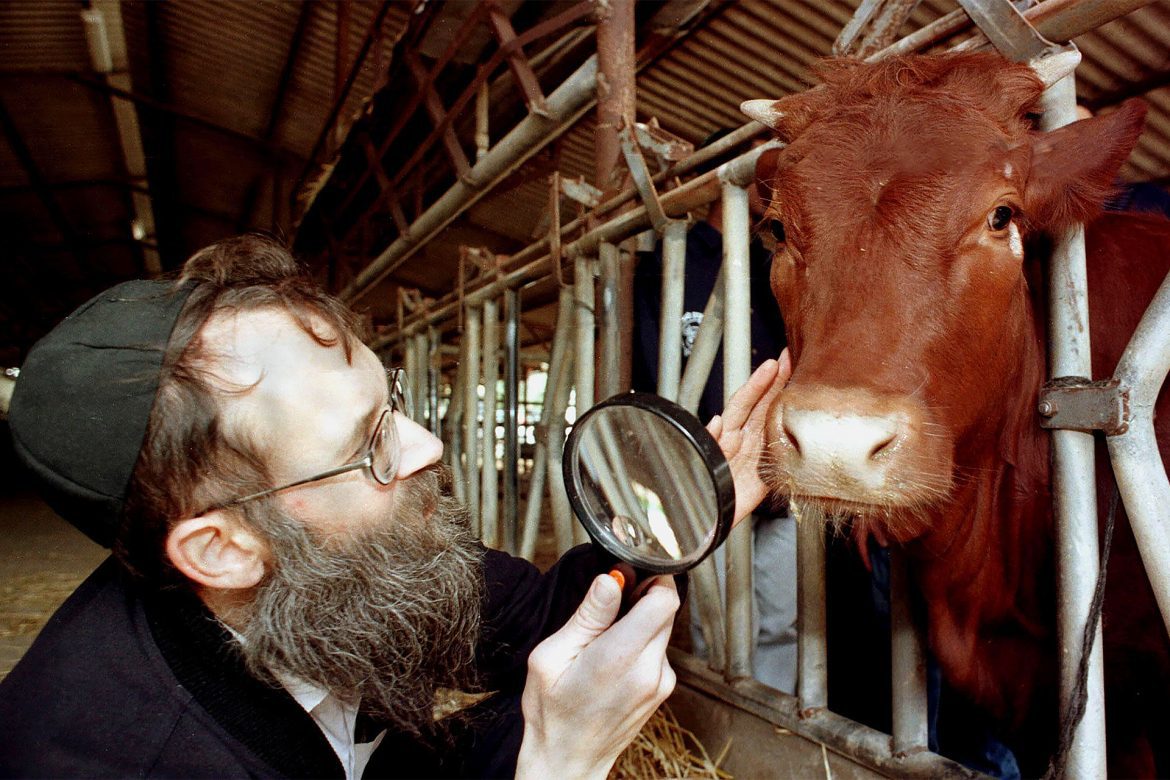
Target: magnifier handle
[[627, 579]]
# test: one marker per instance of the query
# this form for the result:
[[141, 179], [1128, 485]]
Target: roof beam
[[106, 39], [1134, 89], [275, 112]]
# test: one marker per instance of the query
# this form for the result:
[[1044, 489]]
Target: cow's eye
[[777, 230], [1000, 217]]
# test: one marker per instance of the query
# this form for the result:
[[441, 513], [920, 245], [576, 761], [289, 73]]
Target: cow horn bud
[[763, 111], [1054, 67]]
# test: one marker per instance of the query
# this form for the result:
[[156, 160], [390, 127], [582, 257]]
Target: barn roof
[[136, 132]]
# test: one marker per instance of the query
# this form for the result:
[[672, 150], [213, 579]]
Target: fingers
[[744, 399], [593, 617], [715, 427]]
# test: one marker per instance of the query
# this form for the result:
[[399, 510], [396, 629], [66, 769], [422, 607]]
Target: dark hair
[[189, 459]]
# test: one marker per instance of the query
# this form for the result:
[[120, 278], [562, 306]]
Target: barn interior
[[423, 158]]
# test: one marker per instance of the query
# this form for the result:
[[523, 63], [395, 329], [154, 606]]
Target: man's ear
[[216, 550]]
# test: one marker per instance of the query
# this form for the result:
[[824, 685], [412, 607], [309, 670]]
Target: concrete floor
[[42, 559]]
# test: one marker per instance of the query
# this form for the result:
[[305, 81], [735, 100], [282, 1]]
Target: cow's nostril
[[791, 436], [882, 446]]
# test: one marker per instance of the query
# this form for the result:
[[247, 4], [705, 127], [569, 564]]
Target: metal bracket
[[1076, 404], [1009, 32], [580, 191], [632, 151], [664, 146]]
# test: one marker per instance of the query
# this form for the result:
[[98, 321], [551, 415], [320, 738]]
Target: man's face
[[306, 409], [393, 571]]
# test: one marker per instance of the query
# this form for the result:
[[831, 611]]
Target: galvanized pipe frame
[[1074, 489], [1137, 463], [489, 475]]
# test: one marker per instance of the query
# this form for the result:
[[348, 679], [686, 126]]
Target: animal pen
[[459, 347]]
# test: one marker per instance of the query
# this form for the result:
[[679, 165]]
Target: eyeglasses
[[384, 454]]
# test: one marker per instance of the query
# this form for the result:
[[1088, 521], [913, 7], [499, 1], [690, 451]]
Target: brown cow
[[912, 204]]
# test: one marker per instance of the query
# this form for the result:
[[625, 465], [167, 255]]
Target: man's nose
[[420, 447]]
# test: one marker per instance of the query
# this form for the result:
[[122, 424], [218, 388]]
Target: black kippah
[[83, 399]]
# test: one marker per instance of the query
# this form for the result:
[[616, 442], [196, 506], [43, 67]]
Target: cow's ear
[[766, 172], [1074, 168]]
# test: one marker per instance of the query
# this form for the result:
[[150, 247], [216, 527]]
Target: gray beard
[[387, 615]]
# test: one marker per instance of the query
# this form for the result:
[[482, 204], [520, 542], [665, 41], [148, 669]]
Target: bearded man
[[291, 581]]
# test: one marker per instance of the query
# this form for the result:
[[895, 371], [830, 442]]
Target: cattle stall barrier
[[596, 253]]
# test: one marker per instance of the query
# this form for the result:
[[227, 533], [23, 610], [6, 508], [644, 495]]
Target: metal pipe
[[434, 345], [615, 86], [704, 350], [908, 654], [611, 334], [471, 332], [559, 373], [422, 378], [676, 203], [489, 490], [563, 525], [737, 359], [674, 263], [455, 408], [482, 137], [1074, 485], [1141, 475], [511, 417], [534, 132], [812, 679], [584, 331], [862, 744]]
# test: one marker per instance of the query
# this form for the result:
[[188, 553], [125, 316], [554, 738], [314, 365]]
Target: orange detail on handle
[[619, 578]]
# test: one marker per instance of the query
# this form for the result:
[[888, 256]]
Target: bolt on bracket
[[1077, 404]]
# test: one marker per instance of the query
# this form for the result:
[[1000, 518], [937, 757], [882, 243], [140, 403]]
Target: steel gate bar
[[511, 418], [736, 369], [674, 259], [472, 326], [908, 660], [489, 484], [1074, 485], [560, 364], [1141, 475], [611, 351]]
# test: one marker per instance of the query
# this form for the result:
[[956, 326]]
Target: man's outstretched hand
[[740, 430]]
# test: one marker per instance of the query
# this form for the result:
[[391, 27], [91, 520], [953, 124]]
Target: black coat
[[128, 684]]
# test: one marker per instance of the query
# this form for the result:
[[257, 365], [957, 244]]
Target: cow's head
[[902, 205]]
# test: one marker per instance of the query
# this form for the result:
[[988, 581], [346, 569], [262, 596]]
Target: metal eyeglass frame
[[400, 401]]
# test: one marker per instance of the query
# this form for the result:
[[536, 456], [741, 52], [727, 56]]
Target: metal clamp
[[1076, 404]]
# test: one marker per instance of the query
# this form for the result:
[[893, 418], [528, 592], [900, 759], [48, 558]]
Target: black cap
[[80, 408]]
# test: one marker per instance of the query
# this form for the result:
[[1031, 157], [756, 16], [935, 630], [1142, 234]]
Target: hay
[[665, 749]]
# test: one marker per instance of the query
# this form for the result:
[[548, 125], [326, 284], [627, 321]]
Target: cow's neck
[[984, 568]]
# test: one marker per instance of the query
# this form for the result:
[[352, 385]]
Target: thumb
[[595, 614]]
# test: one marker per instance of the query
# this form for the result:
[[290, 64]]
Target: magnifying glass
[[649, 483]]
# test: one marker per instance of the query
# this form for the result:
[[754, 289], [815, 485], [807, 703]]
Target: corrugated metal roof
[[207, 76]]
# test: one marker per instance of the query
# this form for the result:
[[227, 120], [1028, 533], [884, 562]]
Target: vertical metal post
[[1074, 484], [611, 336], [674, 261], [471, 335], [812, 682], [455, 452], [435, 376], [421, 376], [584, 299], [737, 358], [489, 491], [616, 95], [511, 417], [911, 726], [567, 531], [559, 375], [482, 138]]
